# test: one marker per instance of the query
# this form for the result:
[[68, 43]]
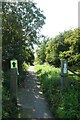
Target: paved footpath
[[31, 99]]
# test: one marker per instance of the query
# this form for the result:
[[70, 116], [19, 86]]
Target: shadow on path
[[31, 101]]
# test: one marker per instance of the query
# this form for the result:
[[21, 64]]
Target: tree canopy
[[21, 23], [65, 45], [41, 55]]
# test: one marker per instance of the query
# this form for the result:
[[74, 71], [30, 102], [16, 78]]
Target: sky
[[60, 15]]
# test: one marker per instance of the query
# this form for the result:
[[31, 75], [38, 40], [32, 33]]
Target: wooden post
[[13, 80], [64, 73], [13, 85]]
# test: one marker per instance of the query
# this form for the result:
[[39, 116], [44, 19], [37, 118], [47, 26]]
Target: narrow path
[[31, 99]]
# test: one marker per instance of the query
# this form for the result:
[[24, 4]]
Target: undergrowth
[[9, 107], [64, 101]]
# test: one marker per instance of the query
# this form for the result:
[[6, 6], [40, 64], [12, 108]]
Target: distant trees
[[41, 55], [65, 45], [21, 23]]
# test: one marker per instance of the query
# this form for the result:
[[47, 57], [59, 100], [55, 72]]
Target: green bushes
[[9, 110], [64, 104], [25, 66], [22, 74]]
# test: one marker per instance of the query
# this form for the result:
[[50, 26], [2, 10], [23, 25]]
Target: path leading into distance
[[31, 101]]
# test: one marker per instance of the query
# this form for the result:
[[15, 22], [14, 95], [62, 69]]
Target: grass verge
[[64, 102]]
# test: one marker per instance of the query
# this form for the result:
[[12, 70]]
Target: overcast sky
[[60, 15]]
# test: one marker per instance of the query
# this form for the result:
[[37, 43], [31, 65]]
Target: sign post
[[64, 72], [13, 81]]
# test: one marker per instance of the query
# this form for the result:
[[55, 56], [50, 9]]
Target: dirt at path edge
[[31, 101]]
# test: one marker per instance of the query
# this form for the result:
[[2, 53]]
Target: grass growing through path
[[64, 104]]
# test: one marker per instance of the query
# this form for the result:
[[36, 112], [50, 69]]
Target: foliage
[[25, 66], [22, 75], [41, 55], [9, 110], [21, 24], [63, 103], [65, 45]]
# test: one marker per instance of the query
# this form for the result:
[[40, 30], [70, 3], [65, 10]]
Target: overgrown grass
[[64, 102]]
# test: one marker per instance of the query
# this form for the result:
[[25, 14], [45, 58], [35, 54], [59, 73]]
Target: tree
[[65, 45], [55, 46], [21, 23], [73, 54], [41, 55]]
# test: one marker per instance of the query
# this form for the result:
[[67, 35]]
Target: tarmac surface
[[31, 101]]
